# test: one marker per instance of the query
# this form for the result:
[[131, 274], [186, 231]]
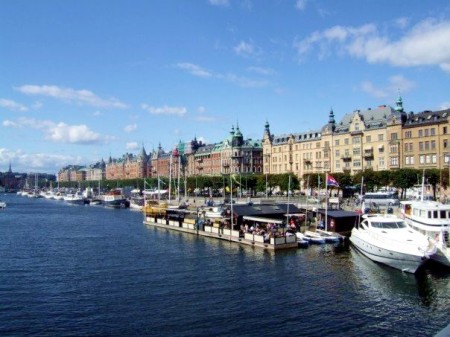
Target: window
[[426, 133], [346, 141], [433, 144], [394, 161], [393, 149], [433, 159], [381, 161], [445, 143], [444, 130], [420, 133], [356, 163], [427, 145], [394, 136], [408, 134], [432, 132], [380, 137], [422, 159], [337, 153], [409, 160], [368, 139], [357, 151], [356, 140], [420, 146], [356, 126], [336, 142], [338, 164]]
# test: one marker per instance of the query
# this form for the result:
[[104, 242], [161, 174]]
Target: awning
[[261, 219]]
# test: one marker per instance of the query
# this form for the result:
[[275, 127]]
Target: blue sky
[[82, 80]]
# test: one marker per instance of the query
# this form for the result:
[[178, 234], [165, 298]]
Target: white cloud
[[261, 71], [201, 109], [194, 69], [444, 106], [97, 113], [394, 84], [244, 81], [8, 123], [36, 162], [11, 105], [224, 3], [132, 146], [244, 48], [60, 132], [232, 78], [130, 128], [425, 44], [300, 5], [165, 110], [71, 95], [79, 134]]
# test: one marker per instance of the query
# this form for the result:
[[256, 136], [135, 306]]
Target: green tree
[[432, 177]]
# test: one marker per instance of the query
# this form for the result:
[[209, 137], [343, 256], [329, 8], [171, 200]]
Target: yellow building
[[383, 138]]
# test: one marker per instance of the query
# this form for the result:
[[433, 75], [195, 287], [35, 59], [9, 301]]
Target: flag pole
[[326, 201]]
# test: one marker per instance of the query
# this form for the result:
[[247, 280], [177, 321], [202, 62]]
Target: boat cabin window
[[435, 214], [393, 224], [443, 215]]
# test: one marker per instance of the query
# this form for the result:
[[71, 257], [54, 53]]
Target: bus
[[381, 199]]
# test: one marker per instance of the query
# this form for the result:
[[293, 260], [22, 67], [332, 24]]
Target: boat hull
[[405, 262]]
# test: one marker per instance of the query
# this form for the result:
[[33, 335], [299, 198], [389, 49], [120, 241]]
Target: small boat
[[329, 237], [302, 241], [314, 237], [136, 199], [115, 199], [2, 204], [76, 199], [387, 239]]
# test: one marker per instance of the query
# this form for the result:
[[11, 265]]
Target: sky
[[83, 80]]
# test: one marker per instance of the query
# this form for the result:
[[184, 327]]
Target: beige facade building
[[383, 138]]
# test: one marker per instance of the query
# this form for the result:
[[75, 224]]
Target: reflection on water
[[388, 283]]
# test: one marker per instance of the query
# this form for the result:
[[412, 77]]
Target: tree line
[[401, 179]]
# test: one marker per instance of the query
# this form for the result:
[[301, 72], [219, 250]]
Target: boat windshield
[[390, 224]]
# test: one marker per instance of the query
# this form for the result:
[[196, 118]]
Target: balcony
[[346, 157], [368, 154]]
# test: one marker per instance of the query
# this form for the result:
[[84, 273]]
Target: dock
[[189, 226]]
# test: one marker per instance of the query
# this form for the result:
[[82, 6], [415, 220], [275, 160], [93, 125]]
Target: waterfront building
[[129, 166], [96, 172], [234, 155], [72, 173], [381, 138]]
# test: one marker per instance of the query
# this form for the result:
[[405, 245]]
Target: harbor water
[[68, 270]]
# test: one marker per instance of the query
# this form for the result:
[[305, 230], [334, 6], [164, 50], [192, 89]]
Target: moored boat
[[314, 237], [387, 239], [432, 219], [76, 198], [115, 199], [2, 204]]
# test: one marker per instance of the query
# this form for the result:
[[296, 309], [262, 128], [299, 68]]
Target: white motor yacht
[[432, 219], [387, 239]]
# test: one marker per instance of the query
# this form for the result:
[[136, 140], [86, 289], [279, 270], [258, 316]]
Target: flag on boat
[[331, 181]]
